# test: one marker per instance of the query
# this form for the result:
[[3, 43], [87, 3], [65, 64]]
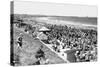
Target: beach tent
[[42, 36], [43, 29]]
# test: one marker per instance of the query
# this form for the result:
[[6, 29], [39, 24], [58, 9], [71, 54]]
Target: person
[[37, 63], [40, 53], [20, 39]]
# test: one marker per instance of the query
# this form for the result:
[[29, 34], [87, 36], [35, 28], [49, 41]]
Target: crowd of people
[[82, 40]]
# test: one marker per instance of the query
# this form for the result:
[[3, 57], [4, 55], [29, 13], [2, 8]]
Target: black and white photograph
[[52, 33]]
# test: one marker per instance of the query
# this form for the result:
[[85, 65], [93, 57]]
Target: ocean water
[[80, 21]]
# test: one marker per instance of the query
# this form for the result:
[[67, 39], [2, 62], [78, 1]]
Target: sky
[[43, 8]]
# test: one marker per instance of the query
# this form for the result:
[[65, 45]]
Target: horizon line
[[55, 15]]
